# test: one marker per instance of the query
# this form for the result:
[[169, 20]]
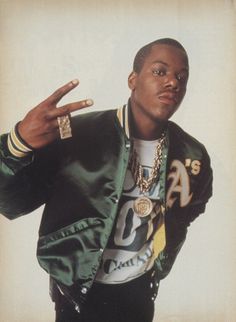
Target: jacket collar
[[123, 117]]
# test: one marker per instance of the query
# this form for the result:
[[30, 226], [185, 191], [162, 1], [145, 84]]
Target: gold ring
[[64, 127]]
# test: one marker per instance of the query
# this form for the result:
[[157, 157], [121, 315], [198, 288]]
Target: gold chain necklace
[[143, 205]]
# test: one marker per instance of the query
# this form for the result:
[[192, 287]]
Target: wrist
[[16, 145]]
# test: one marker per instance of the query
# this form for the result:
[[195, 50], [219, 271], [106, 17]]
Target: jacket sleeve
[[178, 219], [201, 193], [23, 186]]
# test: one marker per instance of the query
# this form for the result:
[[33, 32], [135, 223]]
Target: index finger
[[62, 91]]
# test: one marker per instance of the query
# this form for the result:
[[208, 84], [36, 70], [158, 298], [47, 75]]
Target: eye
[[158, 72], [182, 78]]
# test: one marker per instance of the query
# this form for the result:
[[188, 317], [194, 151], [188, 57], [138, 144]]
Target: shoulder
[[95, 126], [93, 117], [181, 141]]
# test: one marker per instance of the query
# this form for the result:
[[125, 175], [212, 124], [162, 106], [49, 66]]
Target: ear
[[132, 80]]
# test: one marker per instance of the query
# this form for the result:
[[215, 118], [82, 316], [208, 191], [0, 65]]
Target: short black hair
[[145, 51]]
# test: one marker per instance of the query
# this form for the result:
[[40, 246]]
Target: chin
[[164, 115]]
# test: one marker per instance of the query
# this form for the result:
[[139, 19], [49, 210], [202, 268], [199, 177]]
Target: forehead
[[170, 55]]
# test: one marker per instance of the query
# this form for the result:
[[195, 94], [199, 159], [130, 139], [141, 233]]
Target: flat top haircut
[[145, 51]]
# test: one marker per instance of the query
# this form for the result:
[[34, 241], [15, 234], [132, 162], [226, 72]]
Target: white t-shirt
[[129, 252]]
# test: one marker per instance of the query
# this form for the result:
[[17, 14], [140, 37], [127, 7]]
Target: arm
[[13, 186], [178, 219], [25, 177]]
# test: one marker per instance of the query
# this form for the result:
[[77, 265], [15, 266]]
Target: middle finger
[[68, 108]]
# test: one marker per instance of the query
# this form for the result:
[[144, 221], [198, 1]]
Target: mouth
[[168, 98]]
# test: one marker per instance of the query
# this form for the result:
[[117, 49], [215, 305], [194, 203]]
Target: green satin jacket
[[80, 181]]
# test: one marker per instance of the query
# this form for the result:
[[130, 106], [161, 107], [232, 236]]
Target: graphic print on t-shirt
[[129, 252]]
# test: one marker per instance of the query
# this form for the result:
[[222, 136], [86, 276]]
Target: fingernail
[[75, 81], [89, 102]]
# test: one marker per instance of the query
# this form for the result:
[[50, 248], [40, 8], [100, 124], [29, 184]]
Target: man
[[119, 191]]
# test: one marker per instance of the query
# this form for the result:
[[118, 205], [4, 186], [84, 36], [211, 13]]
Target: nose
[[171, 82]]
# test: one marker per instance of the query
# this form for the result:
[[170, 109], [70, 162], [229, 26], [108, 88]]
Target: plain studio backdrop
[[44, 44]]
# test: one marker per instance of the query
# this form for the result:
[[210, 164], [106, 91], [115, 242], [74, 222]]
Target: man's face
[[158, 89]]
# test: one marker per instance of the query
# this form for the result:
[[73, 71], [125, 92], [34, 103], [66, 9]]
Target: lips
[[168, 98]]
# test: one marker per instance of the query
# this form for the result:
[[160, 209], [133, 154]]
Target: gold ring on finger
[[64, 127]]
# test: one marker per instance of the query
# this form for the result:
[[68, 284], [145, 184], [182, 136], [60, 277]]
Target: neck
[[145, 128], [144, 133]]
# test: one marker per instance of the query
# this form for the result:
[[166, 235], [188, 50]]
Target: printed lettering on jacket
[[179, 182]]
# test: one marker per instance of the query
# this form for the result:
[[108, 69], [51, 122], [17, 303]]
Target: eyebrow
[[164, 63], [160, 62]]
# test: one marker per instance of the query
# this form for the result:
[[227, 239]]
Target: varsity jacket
[[80, 181]]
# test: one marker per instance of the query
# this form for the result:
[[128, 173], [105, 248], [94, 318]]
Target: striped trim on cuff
[[16, 145]]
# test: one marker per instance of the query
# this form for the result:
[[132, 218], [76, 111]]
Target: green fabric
[[80, 181]]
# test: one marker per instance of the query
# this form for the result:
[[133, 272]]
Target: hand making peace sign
[[40, 125]]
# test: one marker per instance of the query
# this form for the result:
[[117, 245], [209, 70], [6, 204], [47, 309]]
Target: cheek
[[183, 92], [148, 87]]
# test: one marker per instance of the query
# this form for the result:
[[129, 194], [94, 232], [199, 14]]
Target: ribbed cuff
[[16, 144]]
